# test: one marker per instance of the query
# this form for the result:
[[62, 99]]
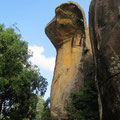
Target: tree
[[19, 80], [40, 107], [46, 111], [43, 110], [84, 105]]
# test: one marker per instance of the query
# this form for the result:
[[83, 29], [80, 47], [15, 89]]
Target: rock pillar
[[69, 34]]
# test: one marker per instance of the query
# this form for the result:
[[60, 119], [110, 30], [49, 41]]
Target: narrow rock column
[[104, 24], [69, 34]]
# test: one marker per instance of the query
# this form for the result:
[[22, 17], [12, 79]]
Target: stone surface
[[69, 34], [104, 24]]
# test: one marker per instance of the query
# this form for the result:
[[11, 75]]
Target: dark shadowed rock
[[104, 25]]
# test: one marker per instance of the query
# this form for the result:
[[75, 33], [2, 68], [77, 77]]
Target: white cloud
[[40, 59]]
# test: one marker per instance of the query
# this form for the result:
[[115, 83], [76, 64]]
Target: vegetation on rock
[[84, 105]]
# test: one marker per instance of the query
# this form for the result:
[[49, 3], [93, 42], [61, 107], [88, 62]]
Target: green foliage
[[39, 108], [46, 111], [84, 105], [19, 80], [43, 109]]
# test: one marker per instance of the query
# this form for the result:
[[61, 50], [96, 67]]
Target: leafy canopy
[[20, 82], [46, 111]]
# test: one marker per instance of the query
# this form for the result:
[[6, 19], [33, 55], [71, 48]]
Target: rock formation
[[104, 17], [69, 34]]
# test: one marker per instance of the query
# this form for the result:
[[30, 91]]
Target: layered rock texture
[[104, 17], [69, 34]]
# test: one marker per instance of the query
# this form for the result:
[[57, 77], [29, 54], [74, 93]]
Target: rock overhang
[[69, 18]]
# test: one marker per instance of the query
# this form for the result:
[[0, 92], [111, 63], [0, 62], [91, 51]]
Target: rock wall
[[104, 25], [69, 34]]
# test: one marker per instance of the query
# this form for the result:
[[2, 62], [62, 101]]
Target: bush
[[84, 105]]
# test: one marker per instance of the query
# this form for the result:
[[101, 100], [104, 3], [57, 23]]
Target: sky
[[31, 17]]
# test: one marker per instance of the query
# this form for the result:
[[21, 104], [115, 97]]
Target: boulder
[[104, 26], [68, 33]]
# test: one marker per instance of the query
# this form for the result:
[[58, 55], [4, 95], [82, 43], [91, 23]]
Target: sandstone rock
[[104, 25], [69, 34]]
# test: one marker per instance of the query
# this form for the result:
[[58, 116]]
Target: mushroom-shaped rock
[[104, 24], [69, 34]]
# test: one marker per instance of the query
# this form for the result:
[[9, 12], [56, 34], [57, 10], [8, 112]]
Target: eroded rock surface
[[69, 34], [104, 26]]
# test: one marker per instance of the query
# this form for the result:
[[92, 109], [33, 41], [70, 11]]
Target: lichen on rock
[[104, 26]]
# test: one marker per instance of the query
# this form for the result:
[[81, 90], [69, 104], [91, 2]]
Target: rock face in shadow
[[69, 35], [104, 25]]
